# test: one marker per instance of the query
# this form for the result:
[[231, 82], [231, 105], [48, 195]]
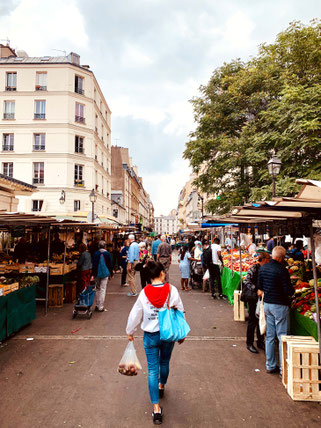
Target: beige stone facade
[[55, 127]]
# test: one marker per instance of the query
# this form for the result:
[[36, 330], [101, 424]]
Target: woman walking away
[[158, 353], [123, 263], [184, 267], [84, 266], [249, 295]]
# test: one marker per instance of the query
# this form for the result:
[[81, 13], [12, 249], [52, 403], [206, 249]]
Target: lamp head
[[92, 196], [62, 198], [274, 166]]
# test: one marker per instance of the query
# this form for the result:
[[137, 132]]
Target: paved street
[[65, 379]]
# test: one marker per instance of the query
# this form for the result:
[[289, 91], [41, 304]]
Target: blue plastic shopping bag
[[172, 324]]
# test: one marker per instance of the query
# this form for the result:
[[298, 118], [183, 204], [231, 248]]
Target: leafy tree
[[249, 110]]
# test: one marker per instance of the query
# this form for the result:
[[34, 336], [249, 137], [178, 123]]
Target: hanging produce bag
[[129, 364]]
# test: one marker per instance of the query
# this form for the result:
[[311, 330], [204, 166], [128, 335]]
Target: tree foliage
[[250, 110]]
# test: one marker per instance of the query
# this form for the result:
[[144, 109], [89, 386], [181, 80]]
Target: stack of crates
[[301, 373]]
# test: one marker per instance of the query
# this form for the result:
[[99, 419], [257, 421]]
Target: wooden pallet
[[285, 340], [304, 372], [239, 309], [56, 296]]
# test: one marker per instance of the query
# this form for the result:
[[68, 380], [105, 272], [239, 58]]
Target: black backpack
[[207, 256]]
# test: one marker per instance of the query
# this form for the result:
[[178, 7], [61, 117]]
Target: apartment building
[[55, 127], [166, 225]]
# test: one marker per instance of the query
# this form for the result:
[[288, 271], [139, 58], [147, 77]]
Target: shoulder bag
[[172, 324]]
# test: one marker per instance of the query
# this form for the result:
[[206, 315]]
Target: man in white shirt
[[214, 268]]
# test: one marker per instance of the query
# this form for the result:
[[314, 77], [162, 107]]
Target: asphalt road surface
[[67, 375]]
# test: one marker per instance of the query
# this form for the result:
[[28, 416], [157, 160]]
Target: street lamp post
[[93, 199], [62, 198], [274, 167]]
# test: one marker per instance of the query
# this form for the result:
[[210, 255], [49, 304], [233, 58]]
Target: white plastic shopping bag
[[206, 275], [262, 320], [129, 364]]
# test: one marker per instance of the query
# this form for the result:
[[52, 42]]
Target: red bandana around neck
[[157, 295]]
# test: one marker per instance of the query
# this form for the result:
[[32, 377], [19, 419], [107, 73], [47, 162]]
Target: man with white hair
[[132, 260], [274, 281], [164, 255]]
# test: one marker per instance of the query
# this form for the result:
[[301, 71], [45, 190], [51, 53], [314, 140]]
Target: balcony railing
[[41, 88], [37, 180], [8, 115], [40, 116], [79, 91], [7, 147], [79, 183], [11, 88], [79, 119], [38, 148]]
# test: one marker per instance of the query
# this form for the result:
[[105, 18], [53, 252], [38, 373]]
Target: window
[[79, 176], [40, 109], [76, 205], [11, 84], [38, 173], [80, 113], [7, 168], [9, 109], [41, 81], [79, 144], [79, 85], [39, 142], [8, 142], [37, 205]]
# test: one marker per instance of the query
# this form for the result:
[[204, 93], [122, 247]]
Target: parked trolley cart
[[85, 302]]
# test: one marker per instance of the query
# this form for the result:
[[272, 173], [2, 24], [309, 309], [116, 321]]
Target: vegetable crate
[[9, 288], [239, 310], [304, 371], [56, 296], [285, 341]]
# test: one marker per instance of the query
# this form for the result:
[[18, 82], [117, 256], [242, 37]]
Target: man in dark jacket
[[250, 284], [101, 282], [274, 281]]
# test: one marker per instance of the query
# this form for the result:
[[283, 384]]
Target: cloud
[[150, 57]]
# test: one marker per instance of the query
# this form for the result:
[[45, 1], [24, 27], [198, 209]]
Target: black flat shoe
[[161, 392], [158, 417], [253, 349], [272, 371]]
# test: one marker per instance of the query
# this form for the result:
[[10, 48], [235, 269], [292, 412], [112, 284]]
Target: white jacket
[[144, 310]]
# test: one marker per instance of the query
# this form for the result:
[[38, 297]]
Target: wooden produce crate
[[8, 288], [239, 309], [56, 269], [70, 291], [285, 340], [27, 268], [56, 296], [304, 372]]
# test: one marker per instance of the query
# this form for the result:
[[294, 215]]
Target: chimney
[[6, 51]]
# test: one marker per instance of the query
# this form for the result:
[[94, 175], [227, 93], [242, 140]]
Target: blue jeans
[[158, 354], [276, 325]]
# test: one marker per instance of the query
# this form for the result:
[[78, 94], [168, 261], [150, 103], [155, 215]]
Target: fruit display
[[247, 260], [304, 298]]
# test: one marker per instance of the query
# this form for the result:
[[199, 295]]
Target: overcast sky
[[150, 57]]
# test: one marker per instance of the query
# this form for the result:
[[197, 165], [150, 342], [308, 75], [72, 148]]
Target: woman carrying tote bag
[[158, 352]]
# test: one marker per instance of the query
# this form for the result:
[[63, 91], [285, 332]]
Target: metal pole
[[240, 253], [315, 280], [92, 212], [48, 272], [231, 251], [273, 186], [63, 268]]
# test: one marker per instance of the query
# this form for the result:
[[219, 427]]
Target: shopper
[[274, 281], [155, 246], [164, 256], [123, 263], [214, 268], [132, 260], [184, 259], [101, 274], [198, 251], [84, 266], [158, 353], [173, 243], [251, 298], [144, 256], [297, 253]]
